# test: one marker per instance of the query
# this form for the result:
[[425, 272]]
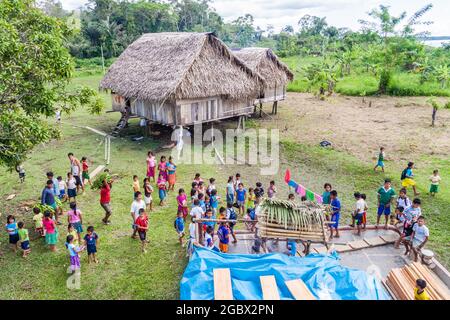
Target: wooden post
[[260, 109], [276, 106]]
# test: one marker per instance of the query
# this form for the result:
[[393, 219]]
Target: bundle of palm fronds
[[280, 218], [98, 182]]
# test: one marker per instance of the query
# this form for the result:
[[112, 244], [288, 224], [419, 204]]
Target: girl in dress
[[162, 167], [171, 177], [161, 189], [182, 203], [151, 165]]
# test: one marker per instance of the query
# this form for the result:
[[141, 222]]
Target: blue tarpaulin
[[323, 275]]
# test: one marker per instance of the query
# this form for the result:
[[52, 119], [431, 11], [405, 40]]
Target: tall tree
[[35, 69], [390, 29]]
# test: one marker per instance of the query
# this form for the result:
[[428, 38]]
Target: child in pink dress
[[151, 165], [182, 203], [162, 167]]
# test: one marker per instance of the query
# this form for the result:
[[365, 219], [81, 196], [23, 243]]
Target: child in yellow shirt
[[136, 186], [419, 290]]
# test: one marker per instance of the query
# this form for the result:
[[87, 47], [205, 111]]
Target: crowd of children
[[218, 218], [218, 221]]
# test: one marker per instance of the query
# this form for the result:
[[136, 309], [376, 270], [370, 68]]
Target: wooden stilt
[[260, 109]]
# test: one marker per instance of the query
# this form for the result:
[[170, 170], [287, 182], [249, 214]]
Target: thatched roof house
[[275, 73], [182, 78]]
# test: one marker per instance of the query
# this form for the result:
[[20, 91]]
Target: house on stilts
[[275, 73], [180, 79]]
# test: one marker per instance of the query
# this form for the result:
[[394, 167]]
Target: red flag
[[287, 176]]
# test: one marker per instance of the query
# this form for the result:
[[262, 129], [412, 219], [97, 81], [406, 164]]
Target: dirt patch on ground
[[401, 125]]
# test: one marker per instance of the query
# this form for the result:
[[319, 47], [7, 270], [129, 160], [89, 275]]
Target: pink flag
[[318, 198], [301, 190]]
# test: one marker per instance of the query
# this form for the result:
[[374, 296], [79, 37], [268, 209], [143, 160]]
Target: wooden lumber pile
[[402, 281]]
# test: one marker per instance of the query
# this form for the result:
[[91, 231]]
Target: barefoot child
[[71, 187], [251, 198], [171, 174], [230, 190], [136, 187], [366, 207], [385, 196], [241, 193], [136, 206], [148, 190], [407, 178], [336, 212], [85, 171], [11, 228], [37, 218], [162, 167], [142, 227], [435, 180], [380, 162], [419, 237], [359, 211], [182, 203], [91, 242], [74, 251], [24, 239], [224, 237], [161, 189], [62, 185], [75, 218], [179, 226], [151, 166], [71, 231], [51, 232]]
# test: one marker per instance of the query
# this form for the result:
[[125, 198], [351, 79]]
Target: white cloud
[[340, 13]]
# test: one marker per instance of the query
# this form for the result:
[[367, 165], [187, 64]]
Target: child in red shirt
[[142, 227]]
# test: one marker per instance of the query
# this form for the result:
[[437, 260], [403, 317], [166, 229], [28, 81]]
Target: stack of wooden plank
[[402, 281]]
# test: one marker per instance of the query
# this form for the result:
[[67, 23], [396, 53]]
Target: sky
[[339, 13]]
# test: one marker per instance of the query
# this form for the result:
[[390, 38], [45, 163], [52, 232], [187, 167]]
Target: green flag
[[310, 195]]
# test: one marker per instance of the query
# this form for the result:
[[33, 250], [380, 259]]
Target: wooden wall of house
[[274, 94], [214, 108], [157, 112], [188, 112]]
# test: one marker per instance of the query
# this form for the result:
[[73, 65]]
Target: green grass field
[[361, 83], [124, 272]]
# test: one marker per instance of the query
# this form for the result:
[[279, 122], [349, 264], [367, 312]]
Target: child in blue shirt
[[240, 198], [13, 232], [214, 201], [91, 239], [336, 212], [179, 226]]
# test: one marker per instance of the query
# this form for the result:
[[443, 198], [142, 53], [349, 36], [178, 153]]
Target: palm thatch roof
[[266, 63], [169, 66]]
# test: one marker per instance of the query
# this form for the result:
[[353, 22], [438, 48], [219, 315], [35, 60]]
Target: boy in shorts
[[241, 195], [142, 227], [224, 237], [90, 242], [24, 239], [385, 196], [179, 226]]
